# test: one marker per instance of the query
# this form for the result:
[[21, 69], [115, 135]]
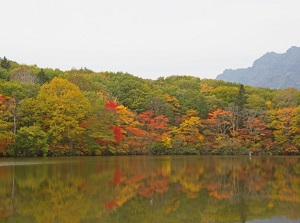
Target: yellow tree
[[296, 127], [188, 133], [174, 113], [285, 123], [61, 107], [173, 101], [125, 116]]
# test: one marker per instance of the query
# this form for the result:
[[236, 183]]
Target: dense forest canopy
[[81, 112]]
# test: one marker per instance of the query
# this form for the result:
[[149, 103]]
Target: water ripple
[[24, 163]]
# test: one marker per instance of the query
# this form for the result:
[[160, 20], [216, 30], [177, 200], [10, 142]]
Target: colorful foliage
[[89, 113]]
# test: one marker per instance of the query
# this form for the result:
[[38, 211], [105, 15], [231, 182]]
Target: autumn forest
[[49, 112]]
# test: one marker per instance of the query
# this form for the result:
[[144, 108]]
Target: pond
[[150, 189]]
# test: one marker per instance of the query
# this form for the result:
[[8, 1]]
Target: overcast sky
[[147, 38]]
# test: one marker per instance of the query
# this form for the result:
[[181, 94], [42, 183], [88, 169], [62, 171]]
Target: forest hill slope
[[49, 112]]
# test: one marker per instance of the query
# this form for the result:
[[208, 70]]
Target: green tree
[[5, 63], [4, 74], [42, 78], [255, 101], [132, 92], [241, 98], [98, 136], [30, 141], [192, 100], [225, 93], [26, 112], [17, 92], [238, 107]]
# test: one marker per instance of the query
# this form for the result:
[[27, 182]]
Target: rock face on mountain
[[272, 70]]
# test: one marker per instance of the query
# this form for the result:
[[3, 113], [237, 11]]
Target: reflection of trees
[[45, 193], [60, 195], [239, 189], [252, 186], [12, 192], [132, 189], [6, 192]]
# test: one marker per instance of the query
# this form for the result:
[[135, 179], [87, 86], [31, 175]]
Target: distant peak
[[293, 49], [272, 70]]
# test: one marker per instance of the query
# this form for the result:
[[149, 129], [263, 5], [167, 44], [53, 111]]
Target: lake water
[[152, 189]]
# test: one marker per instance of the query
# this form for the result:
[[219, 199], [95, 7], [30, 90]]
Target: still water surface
[[188, 189]]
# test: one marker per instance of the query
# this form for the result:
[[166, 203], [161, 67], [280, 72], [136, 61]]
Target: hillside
[[272, 70], [49, 112]]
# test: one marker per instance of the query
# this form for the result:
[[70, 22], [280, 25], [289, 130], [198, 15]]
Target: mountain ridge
[[272, 70]]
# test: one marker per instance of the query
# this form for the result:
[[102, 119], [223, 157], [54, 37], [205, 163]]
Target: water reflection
[[151, 189]]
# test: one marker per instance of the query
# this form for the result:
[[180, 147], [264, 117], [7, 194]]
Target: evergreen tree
[[239, 104], [42, 77], [241, 98], [5, 63]]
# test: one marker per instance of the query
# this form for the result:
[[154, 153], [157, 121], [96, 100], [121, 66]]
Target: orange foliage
[[220, 195], [290, 149], [111, 105], [145, 192], [135, 131], [221, 192], [59, 149], [154, 125], [135, 179], [220, 121], [135, 139], [5, 141], [253, 130], [159, 186], [117, 177], [146, 117], [83, 186], [84, 124], [111, 204]]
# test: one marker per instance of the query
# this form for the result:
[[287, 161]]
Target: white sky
[[147, 38]]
